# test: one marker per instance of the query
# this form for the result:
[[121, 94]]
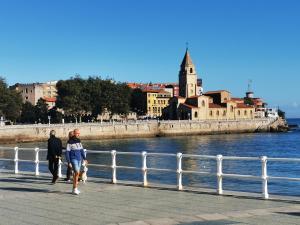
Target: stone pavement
[[26, 199]]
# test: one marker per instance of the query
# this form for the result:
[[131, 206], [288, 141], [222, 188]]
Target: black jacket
[[54, 147]]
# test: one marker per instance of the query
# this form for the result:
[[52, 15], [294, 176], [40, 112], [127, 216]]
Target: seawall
[[89, 131]]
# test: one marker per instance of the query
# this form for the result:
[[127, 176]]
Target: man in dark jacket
[[54, 154]]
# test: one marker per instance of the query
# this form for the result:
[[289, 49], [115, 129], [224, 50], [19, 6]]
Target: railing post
[[179, 171], [59, 168], [219, 174], [16, 160], [264, 177], [37, 161], [114, 166], [144, 169]]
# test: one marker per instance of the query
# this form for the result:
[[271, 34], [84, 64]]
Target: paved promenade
[[26, 199]]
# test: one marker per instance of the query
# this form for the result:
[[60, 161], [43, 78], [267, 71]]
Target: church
[[193, 104]]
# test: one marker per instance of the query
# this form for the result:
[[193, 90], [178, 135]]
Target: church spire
[[187, 77], [187, 60]]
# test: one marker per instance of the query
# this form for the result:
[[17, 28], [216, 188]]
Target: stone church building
[[194, 105]]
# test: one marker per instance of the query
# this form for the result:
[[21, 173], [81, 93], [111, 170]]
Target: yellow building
[[156, 101]]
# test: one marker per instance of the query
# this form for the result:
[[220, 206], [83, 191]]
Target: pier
[[27, 199], [30, 198]]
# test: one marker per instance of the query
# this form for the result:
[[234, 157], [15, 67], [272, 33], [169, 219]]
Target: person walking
[[75, 155], [54, 154], [69, 166]]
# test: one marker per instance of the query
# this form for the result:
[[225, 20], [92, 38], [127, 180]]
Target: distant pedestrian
[[69, 165], [75, 155], [54, 154]]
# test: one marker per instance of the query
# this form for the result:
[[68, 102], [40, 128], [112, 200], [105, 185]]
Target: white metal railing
[[263, 177]]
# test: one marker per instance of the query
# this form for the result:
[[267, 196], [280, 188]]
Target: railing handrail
[[179, 156]]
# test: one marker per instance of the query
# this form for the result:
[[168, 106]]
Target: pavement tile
[[237, 214], [135, 223], [161, 221], [212, 216], [258, 212], [187, 219]]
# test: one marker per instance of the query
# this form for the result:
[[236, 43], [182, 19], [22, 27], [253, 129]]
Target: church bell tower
[[187, 77]]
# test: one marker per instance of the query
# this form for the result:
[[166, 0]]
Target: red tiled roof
[[47, 99], [215, 92], [195, 96], [242, 105], [189, 106], [237, 99], [212, 105], [150, 91]]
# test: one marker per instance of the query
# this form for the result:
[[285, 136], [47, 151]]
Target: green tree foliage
[[10, 102], [28, 113], [138, 103], [79, 97], [41, 111], [248, 101], [281, 113], [55, 115]]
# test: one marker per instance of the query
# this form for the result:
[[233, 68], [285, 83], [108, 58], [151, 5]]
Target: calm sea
[[285, 145]]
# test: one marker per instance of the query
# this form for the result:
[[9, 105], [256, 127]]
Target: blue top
[[74, 150]]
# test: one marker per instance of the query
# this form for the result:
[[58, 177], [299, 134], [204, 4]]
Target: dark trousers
[[53, 167]]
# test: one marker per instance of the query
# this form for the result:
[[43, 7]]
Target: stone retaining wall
[[28, 133]]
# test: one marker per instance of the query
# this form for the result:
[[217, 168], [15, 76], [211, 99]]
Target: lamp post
[[49, 119]]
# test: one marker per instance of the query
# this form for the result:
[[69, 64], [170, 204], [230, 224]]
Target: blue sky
[[230, 42]]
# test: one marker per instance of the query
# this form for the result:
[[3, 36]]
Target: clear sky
[[230, 42]]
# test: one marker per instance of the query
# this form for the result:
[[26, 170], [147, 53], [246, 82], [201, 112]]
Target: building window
[[191, 70], [231, 108], [196, 114], [251, 112], [210, 113], [245, 112], [26, 90], [224, 113], [239, 112], [203, 103], [26, 97], [218, 113]]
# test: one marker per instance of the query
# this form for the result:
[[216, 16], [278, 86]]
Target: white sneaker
[[75, 191]]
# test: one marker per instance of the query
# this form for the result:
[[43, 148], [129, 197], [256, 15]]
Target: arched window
[[203, 103], [251, 112], [224, 113], [218, 113], [191, 70], [211, 113], [239, 112], [196, 114], [245, 112], [231, 108]]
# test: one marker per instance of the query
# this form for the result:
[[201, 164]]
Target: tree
[[248, 101], [73, 97], [41, 111], [281, 113], [55, 115], [91, 97], [138, 102], [28, 113], [10, 102]]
